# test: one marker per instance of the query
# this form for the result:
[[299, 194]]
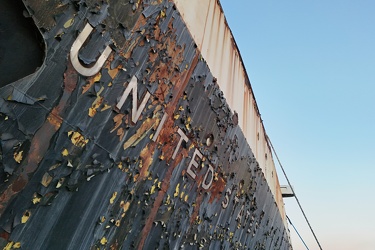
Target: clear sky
[[312, 68]]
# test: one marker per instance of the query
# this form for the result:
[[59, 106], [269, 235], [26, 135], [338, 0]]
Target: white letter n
[[136, 111]]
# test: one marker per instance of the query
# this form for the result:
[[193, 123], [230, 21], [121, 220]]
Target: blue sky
[[312, 68]]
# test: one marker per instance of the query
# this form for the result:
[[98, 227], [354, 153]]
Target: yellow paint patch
[[97, 77], [117, 224], [96, 104], [68, 23], [25, 217], [103, 241], [106, 106], [113, 197], [91, 81], [12, 245], [120, 165], [77, 139], [168, 201], [152, 191], [102, 219], [18, 156], [187, 123], [177, 191], [65, 152], [36, 199], [17, 245], [125, 206], [162, 13], [60, 35], [8, 246]]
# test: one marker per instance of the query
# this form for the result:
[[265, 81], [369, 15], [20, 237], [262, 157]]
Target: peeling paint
[[144, 153]]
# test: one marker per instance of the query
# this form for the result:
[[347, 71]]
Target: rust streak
[[158, 201], [177, 94], [198, 203], [217, 189], [40, 142]]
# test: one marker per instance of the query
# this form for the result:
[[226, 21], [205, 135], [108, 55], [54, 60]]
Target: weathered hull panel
[[144, 154]]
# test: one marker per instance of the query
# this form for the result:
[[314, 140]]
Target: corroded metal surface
[[145, 153], [207, 24]]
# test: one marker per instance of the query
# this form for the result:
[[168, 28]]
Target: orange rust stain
[[54, 119], [16, 186], [70, 78], [172, 49], [142, 20], [114, 246], [113, 72], [167, 69], [198, 202], [157, 32], [152, 56], [169, 138], [19, 183], [4, 235], [40, 142], [158, 201], [217, 189], [177, 94]]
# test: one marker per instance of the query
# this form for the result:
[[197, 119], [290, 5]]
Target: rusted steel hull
[[134, 150]]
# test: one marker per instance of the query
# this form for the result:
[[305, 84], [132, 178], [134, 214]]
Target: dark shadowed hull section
[[143, 154]]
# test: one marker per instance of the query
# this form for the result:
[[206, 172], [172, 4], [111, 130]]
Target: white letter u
[[77, 46]]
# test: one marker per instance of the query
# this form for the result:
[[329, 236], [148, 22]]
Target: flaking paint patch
[[114, 195], [91, 81], [18, 156], [146, 155], [141, 133], [77, 139], [25, 217], [167, 72], [46, 180]]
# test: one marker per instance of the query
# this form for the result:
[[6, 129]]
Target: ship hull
[[123, 139]]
